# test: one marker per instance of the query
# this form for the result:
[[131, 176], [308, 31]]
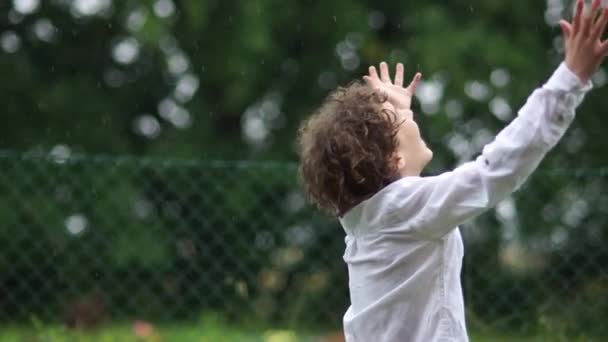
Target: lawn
[[141, 331]]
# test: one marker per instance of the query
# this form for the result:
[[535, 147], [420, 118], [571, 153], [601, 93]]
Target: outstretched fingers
[[373, 73], [372, 82], [399, 75], [578, 17], [589, 18], [411, 89], [372, 79], [566, 28], [384, 74], [604, 48], [600, 25]]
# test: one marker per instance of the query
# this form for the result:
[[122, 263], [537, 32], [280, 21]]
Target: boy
[[361, 159]]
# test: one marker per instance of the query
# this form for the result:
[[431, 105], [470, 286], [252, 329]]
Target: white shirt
[[403, 247]]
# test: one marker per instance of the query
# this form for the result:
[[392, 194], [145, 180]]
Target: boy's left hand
[[398, 96]]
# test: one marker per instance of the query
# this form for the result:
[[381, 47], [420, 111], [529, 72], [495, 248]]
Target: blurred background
[[148, 184]]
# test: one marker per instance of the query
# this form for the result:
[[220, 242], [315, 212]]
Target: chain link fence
[[91, 240]]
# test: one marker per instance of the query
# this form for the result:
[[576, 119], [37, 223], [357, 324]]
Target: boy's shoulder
[[377, 210]]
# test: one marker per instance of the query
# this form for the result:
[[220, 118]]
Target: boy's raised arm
[[433, 206]]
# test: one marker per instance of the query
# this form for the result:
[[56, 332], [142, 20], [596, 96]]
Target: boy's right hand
[[398, 95], [585, 49]]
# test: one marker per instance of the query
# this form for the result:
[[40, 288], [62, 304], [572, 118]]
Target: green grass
[[125, 333], [503, 338], [206, 331], [120, 333]]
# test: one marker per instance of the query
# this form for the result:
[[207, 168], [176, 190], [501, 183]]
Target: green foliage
[[231, 80]]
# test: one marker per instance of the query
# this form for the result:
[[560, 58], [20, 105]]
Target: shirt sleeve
[[433, 206]]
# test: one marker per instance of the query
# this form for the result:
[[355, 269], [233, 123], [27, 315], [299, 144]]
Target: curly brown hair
[[347, 149]]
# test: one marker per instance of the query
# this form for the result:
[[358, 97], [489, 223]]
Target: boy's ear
[[400, 162]]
